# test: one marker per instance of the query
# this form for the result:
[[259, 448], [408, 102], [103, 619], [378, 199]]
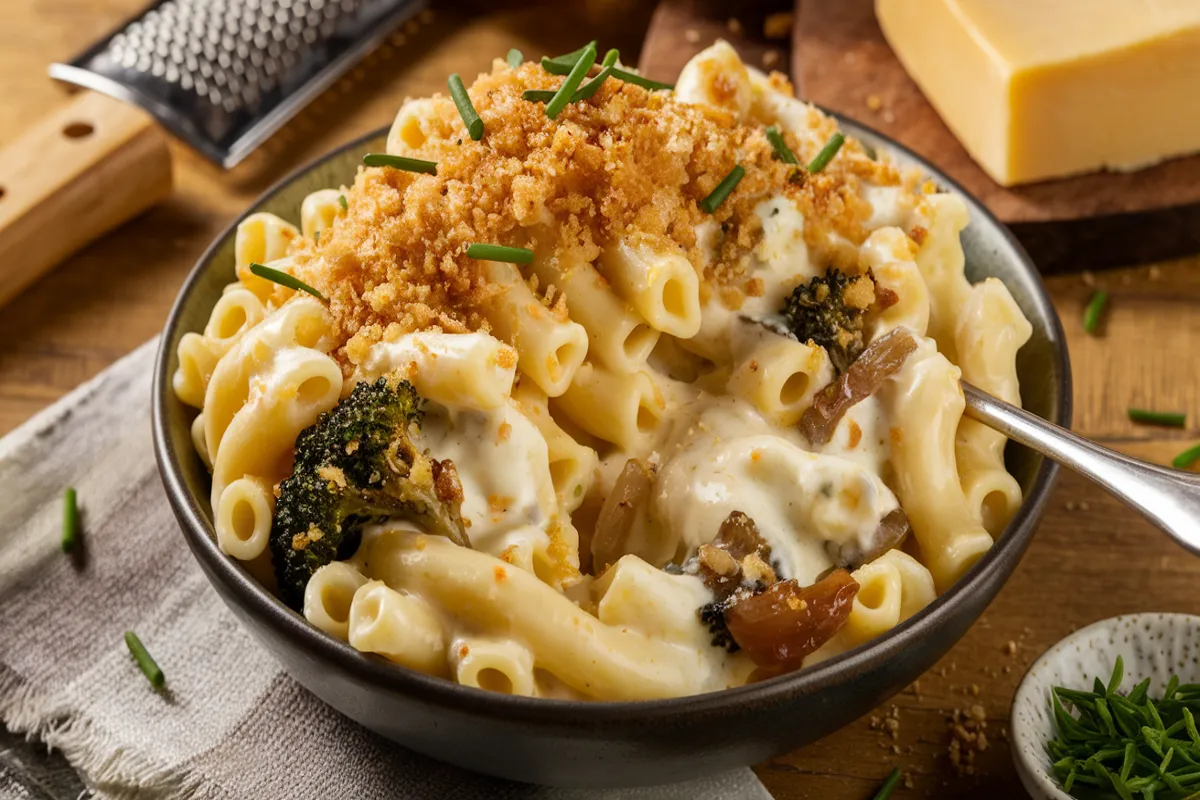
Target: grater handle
[[88, 166]]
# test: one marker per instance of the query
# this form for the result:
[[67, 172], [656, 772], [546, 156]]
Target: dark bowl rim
[[268, 610]]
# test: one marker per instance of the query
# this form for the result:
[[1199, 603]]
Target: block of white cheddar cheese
[[1038, 89]]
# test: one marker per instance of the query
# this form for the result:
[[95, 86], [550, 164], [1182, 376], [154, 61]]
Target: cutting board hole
[[78, 130]]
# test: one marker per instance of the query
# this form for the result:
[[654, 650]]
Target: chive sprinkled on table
[[1187, 457], [562, 65], [283, 279], [499, 252], [591, 87], [1094, 311], [827, 153], [1171, 419], [723, 190], [564, 93], [145, 661], [537, 95], [470, 116], [342, 202], [515, 58], [400, 162], [889, 785], [70, 529], [782, 151], [638, 80]]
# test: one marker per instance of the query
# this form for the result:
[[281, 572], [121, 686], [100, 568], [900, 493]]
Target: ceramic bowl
[[606, 744], [1154, 646]]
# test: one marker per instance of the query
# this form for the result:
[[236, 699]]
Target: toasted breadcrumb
[[626, 165], [778, 26]]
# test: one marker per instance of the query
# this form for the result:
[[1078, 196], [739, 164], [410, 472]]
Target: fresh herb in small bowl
[[1126, 746]]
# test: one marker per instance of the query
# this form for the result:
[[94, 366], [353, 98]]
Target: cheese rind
[[1038, 90]]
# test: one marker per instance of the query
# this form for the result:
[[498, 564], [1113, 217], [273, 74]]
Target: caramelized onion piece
[[787, 622], [880, 361], [892, 531], [619, 511], [737, 555], [739, 537]]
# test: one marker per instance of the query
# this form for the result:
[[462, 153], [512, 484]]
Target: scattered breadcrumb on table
[[778, 26]]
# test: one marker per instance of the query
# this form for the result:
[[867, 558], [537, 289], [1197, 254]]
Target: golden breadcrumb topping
[[626, 163]]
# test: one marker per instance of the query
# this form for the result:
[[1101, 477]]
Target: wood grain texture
[[681, 28], [89, 165], [1086, 563], [1104, 219]]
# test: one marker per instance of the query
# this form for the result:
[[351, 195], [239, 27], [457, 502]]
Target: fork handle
[[77, 173], [1169, 498]]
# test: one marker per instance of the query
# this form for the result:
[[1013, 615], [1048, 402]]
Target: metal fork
[[1169, 498]]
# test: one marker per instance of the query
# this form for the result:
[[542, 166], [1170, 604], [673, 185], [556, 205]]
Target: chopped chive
[[316, 237], [782, 151], [1171, 419], [1094, 310], [827, 153], [563, 95], [638, 80], [470, 116], [144, 660], [342, 202], [283, 279], [400, 162], [515, 58], [723, 190], [562, 65], [537, 95], [498, 252], [889, 785], [1185, 460], [70, 530], [591, 87]]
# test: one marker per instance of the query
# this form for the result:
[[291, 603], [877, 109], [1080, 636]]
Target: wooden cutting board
[[838, 58]]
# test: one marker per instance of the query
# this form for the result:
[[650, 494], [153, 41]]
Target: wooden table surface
[[1091, 559]]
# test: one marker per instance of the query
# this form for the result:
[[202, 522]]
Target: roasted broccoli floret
[[829, 311], [355, 466]]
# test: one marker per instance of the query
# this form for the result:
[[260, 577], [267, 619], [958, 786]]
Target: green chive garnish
[[70, 531], [638, 80], [1186, 458], [467, 111], [889, 785], [515, 58], [283, 279], [1171, 419], [498, 252], [562, 65], [316, 237], [537, 95], [400, 162], [1094, 310], [342, 202], [563, 95], [782, 151], [591, 87], [724, 188], [144, 660], [827, 153]]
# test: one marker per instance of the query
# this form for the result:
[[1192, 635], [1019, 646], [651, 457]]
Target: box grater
[[223, 75]]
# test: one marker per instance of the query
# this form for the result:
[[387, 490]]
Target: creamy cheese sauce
[[501, 459]]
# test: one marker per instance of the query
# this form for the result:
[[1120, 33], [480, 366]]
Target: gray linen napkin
[[232, 724]]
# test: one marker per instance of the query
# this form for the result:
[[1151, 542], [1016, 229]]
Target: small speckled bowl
[[1154, 646]]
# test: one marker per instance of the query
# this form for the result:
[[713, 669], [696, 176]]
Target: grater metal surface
[[223, 75]]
